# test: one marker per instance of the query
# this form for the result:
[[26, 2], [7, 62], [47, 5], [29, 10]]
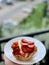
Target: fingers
[[8, 62]]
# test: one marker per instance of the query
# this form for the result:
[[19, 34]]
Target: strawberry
[[31, 46], [13, 46], [24, 49], [30, 42], [16, 51], [25, 44], [24, 41], [30, 50], [16, 43]]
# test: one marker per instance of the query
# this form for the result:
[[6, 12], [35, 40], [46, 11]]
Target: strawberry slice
[[16, 43], [24, 49], [30, 50], [16, 52], [30, 42], [13, 46], [16, 49], [25, 44], [24, 41], [31, 46]]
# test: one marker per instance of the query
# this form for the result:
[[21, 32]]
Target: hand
[[8, 62]]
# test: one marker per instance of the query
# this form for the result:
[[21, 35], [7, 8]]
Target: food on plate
[[23, 49]]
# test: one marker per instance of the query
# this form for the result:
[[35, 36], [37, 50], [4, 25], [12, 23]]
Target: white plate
[[40, 54]]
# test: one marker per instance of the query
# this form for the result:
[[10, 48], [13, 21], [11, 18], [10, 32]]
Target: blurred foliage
[[22, 0], [35, 18], [1, 35], [30, 24], [33, 21]]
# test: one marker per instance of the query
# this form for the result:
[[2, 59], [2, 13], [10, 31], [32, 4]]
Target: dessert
[[23, 49]]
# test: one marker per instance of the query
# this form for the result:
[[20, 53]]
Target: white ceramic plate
[[40, 54]]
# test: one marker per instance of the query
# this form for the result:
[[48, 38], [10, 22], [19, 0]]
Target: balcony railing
[[3, 40]]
